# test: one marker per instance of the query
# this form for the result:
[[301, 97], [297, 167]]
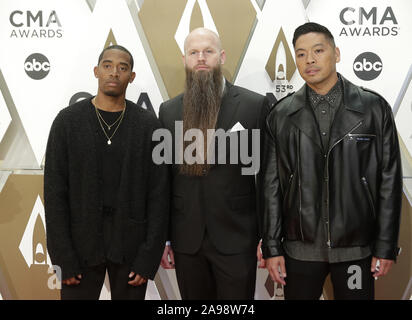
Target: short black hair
[[117, 47], [312, 27]]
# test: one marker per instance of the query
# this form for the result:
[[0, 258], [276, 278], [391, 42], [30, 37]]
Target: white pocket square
[[237, 127]]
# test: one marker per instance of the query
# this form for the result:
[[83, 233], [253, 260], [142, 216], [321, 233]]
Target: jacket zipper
[[361, 135], [300, 194], [290, 180], [366, 185], [327, 178]]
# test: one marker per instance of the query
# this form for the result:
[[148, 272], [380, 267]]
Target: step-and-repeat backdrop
[[48, 51]]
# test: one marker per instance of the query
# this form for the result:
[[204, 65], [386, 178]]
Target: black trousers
[[351, 280], [92, 282], [210, 275]]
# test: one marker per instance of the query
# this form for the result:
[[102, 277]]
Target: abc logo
[[37, 66], [367, 66]]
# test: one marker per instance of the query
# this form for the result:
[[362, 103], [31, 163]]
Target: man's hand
[[137, 281], [168, 258], [384, 266], [277, 269], [73, 280], [262, 263]]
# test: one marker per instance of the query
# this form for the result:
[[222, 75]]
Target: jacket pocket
[[290, 197], [361, 137], [287, 189], [369, 195]]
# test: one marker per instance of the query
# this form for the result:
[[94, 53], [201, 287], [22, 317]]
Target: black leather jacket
[[362, 168]]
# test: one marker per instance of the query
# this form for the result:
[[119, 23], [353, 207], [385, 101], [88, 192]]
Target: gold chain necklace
[[109, 126], [100, 118]]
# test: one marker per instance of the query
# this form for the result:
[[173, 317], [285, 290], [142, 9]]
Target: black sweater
[[73, 195]]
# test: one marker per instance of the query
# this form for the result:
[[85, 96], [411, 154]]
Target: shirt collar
[[223, 86], [331, 97]]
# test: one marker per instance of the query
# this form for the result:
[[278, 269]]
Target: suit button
[[323, 133]]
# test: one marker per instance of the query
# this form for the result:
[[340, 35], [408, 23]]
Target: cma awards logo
[[193, 6], [33, 244], [280, 67], [35, 24], [33, 247], [230, 19], [367, 66], [381, 22]]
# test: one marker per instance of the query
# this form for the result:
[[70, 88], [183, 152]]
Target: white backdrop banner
[[373, 37], [49, 51], [268, 65], [5, 118]]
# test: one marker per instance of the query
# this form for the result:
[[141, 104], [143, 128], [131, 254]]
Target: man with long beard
[[214, 223]]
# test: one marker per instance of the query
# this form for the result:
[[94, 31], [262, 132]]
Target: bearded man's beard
[[201, 103]]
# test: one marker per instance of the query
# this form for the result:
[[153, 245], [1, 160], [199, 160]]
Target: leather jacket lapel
[[302, 116], [346, 119]]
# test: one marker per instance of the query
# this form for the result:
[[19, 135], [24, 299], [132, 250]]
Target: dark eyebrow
[[315, 45], [299, 49], [110, 61]]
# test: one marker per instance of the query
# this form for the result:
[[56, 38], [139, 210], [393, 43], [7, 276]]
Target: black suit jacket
[[73, 197], [223, 202]]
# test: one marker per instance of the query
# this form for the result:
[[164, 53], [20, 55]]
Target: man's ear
[[222, 57], [95, 71], [337, 53], [132, 76]]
